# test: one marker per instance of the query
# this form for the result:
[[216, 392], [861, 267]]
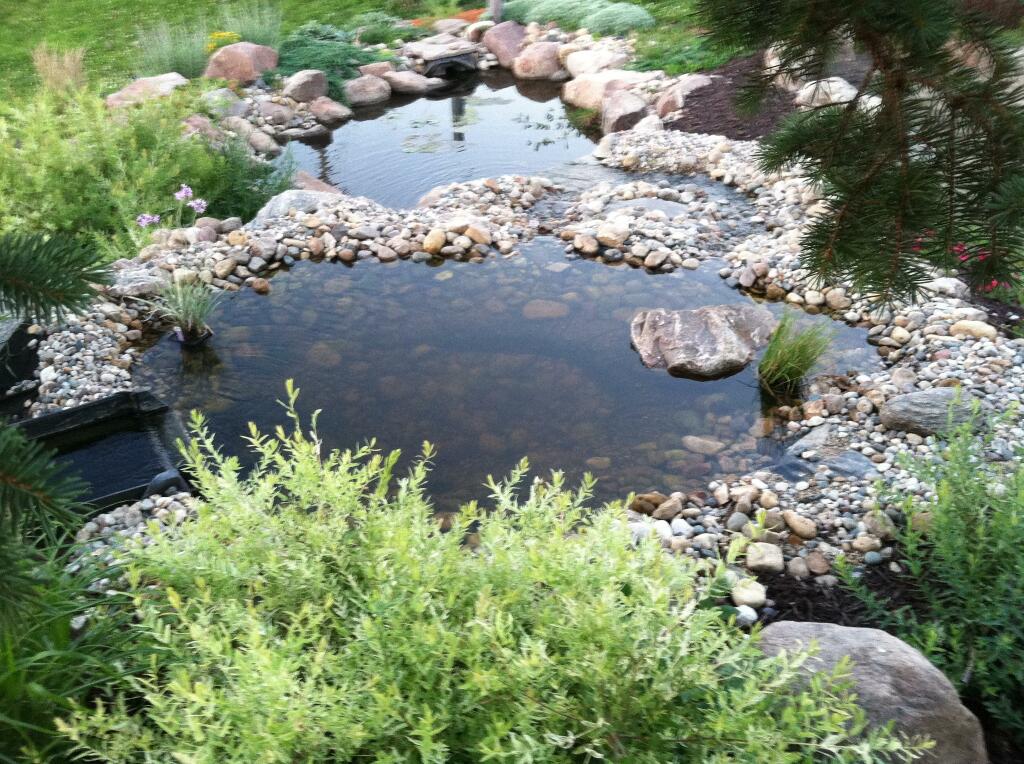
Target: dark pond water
[[528, 356], [483, 127]]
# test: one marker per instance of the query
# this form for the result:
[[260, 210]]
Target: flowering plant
[[220, 39], [185, 198]]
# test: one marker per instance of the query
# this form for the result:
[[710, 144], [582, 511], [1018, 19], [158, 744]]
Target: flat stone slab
[[438, 47]]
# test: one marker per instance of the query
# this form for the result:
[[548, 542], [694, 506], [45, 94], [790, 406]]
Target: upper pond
[[483, 127], [528, 356]]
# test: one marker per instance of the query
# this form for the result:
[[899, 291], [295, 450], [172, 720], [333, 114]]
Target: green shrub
[[517, 10], [189, 307], [964, 558], [324, 47], [317, 612], [377, 27], [72, 166], [165, 48], [791, 354], [258, 22], [618, 18], [568, 14]]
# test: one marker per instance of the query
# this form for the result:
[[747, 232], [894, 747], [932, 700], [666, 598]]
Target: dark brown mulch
[[713, 109]]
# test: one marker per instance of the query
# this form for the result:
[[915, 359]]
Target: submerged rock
[[706, 343], [893, 683]]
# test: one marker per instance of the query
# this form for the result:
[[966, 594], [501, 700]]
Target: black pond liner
[[118, 445], [18, 361]]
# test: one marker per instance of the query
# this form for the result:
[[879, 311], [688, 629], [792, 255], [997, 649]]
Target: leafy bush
[[964, 558], [517, 10], [791, 354], [315, 612], [618, 18], [70, 165], [165, 48], [324, 47], [258, 22]]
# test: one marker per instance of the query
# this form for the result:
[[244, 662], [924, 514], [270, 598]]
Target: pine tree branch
[[44, 277]]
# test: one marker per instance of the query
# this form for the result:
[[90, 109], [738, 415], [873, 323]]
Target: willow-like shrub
[[68, 164], [317, 612]]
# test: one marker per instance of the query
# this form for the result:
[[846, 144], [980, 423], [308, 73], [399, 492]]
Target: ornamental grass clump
[[59, 70], [316, 611], [258, 22], [166, 48], [791, 354], [188, 307]]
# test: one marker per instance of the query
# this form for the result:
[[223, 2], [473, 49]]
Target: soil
[[712, 109]]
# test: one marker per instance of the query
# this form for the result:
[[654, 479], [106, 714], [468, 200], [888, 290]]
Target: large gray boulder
[[504, 40], [927, 412], [893, 683], [278, 206], [706, 343]]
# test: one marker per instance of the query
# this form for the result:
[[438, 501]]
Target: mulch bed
[[713, 109]]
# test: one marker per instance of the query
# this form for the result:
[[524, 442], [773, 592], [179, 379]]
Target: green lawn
[[108, 28]]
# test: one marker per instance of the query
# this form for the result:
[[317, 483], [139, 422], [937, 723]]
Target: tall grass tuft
[[59, 71], [165, 48], [189, 307], [258, 22], [791, 354]]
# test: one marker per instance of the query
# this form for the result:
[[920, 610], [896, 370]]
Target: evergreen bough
[[924, 168], [42, 278]]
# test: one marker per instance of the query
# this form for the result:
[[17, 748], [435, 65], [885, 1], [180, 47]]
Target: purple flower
[[199, 205], [183, 193], [145, 220]]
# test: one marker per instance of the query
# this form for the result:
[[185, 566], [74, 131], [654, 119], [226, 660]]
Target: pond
[[526, 356], [482, 127]]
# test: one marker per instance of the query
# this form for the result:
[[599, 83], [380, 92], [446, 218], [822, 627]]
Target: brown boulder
[[306, 85], [539, 61], [504, 40], [328, 111], [241, 62], [366, 90]]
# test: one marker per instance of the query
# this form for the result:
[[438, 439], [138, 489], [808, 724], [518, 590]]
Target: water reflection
[[492, 362]]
